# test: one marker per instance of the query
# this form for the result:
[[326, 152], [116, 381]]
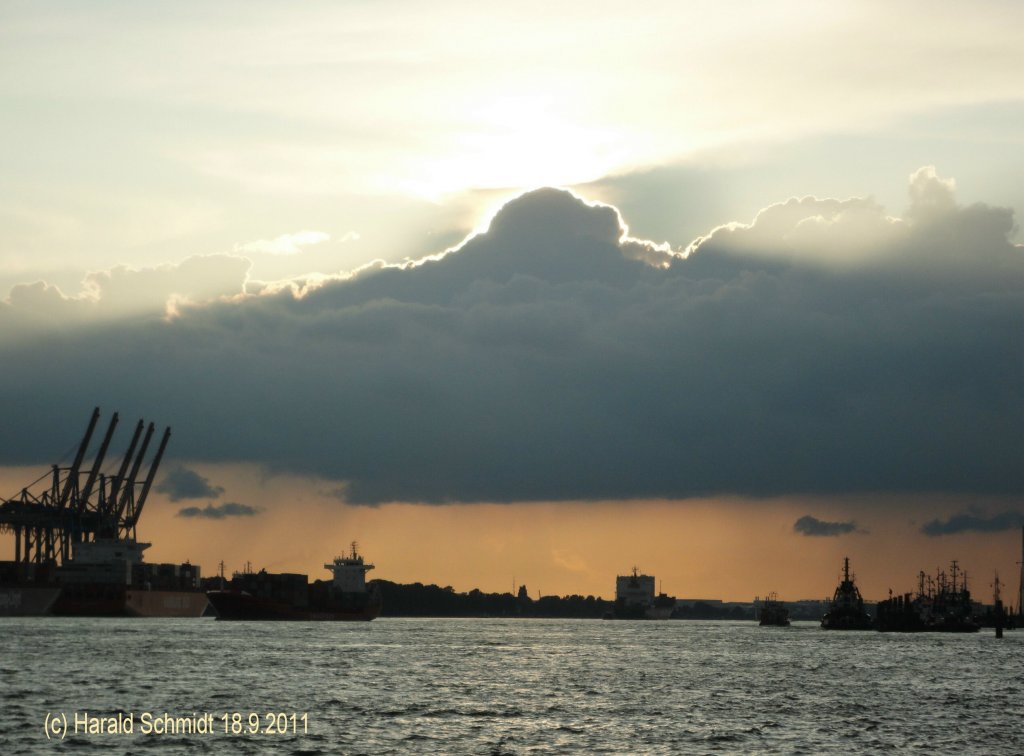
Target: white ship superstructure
[[349, 572]]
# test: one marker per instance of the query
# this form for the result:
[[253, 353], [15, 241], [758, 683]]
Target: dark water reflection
[[526, 686]]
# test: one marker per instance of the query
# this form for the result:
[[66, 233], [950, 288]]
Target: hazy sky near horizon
[[784, 264]]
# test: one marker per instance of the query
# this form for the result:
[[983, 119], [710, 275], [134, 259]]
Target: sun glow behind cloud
[[140, 134], [208, 163], [515, 142]]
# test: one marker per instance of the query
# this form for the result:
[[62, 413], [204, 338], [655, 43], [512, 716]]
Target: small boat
[[773, 612]]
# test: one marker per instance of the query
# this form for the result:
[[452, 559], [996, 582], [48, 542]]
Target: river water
[[482, 686]]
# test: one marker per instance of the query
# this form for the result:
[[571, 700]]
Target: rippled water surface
[[510, 686]]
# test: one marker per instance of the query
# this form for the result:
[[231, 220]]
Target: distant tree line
[[419, 600]]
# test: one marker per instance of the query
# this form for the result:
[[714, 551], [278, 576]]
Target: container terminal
[[76, 550]]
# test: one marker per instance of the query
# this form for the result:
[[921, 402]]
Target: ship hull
[[98, 601], [238, 605], [27, 601], [774, 619], [909, 621], [658, 613], [854, 621], [165, 603], [116, 601]]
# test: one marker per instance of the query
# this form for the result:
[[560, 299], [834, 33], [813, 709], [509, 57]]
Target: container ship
[[75, 546], [846, 609], [289, 596], [635, 598]]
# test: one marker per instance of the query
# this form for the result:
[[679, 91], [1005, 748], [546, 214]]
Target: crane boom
[[128, 489], [72, 479], [115, 486], [84, 494], [82, 505], [149, 478]]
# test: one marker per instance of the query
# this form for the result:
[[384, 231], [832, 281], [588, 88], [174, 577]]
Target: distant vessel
[[773, 612], [288, 596], [996, 616], [635, 598], [941, 605], [75, 547], [846, 610]]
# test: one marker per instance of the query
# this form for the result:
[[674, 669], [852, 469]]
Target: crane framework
[[81, 503]]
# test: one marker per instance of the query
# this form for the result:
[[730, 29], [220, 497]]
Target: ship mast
[[1020, 588], [997, 607]]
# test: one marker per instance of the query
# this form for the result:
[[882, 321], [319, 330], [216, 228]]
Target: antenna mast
[[1020, 588]]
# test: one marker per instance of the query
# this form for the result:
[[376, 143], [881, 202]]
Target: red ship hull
[[121, 601]]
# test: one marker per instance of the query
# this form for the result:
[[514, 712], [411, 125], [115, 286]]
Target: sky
[[533, 295]]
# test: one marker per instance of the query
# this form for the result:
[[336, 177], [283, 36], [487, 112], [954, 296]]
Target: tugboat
[[942, 605], [846, 610], [288, 596], [774, 612]]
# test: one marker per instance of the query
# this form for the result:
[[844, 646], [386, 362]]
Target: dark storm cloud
[[219, 512], [823, 348], [182, 483], [812, 526], [965, 523]]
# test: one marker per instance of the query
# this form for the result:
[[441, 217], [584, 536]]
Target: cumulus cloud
[[812, 526], [38, 303], [182, 483], [808, 229], [934, 235], [547, 358], [967, 523], [219, 512], [121, 293], [931, 196]]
